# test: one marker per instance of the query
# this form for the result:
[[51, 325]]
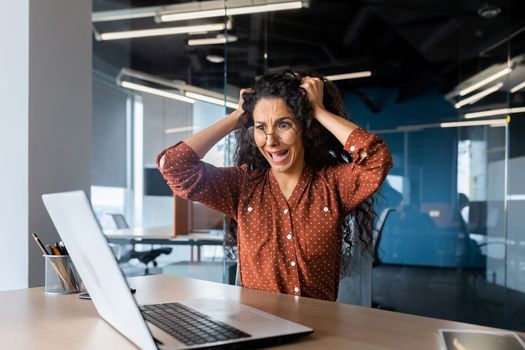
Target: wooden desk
[[163, 235], [33, 320]]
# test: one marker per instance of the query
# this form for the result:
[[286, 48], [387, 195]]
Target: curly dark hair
[[322, 148]]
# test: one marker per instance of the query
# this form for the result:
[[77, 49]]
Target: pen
[[63, 246], [59, 248], [39, 243]]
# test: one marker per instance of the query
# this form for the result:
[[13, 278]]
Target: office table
[[163, 235], [34, 320]]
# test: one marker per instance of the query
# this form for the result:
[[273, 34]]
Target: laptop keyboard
[[187, 325]]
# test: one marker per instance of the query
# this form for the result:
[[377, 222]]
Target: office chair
[[378, 235], [145, 257], [356, 287]]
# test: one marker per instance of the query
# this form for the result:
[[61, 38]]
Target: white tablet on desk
[[468, 339]]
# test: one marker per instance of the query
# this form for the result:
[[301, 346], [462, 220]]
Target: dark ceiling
[[412, 45]]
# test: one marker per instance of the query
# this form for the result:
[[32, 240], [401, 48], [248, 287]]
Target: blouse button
[[285, 211], [296, 289], [250, 209], [289, 236], [292, 263], [325, 209], [352, 148]]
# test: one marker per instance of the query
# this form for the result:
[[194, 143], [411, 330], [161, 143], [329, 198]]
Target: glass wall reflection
[[151, 92], [445, 82], [446, 248]]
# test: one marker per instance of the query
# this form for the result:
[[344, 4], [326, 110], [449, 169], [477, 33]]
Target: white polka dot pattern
[[290, 246]]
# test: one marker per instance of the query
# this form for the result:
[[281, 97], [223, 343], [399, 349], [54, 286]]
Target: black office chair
[[378, 235], [145, 257]]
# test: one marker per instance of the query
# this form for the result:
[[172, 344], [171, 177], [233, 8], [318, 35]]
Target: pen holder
[[61, 275]]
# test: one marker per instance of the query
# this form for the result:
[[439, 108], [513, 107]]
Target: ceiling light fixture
[[354, 75], [198, 9], [485, 81], [492, 112], [517, 87], [491, 122], [153, 91], [241, 8], [191, 93], [489, 11], [215, 58], [118, 15], [172, 17], [209, 99], [142, 33], [474, 98], [219, 39]]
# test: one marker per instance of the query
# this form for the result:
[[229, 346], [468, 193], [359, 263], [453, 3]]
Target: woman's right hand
[[239, 112], [241, 100]]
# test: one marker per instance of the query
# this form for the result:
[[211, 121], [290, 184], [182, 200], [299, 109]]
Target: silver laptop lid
[[75, 222]]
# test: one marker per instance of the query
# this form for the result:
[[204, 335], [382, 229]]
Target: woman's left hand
[[314, 88]]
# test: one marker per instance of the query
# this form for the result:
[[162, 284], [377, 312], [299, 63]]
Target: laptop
[[181, 324]]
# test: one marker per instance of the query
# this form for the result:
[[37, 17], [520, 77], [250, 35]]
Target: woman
[[302, 169]]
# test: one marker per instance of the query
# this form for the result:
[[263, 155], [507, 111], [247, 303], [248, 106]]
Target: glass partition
[[172, 85], [444, 86], [446, 249]]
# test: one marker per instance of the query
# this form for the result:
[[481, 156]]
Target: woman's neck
[[287, 181]]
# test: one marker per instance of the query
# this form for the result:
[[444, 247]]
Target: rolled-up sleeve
[[193, 179], [371, 161]]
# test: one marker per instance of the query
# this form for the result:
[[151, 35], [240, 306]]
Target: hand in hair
[[240, 111], [314, 88]]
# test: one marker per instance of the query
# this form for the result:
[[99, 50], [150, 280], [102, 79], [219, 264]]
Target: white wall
[[45, 133], [14, 35]]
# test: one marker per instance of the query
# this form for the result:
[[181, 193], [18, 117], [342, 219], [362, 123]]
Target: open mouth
[[279, 157]]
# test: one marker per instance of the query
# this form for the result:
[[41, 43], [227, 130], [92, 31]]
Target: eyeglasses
[[258, 135]]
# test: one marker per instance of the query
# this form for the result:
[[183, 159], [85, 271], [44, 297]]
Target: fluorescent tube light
[[153, 91], [293, 5], [493, 112], [474, 98], [354, 75], [177, 130], [491, 122], [517, 87], [129, 34], [231, 11], [209, 99], [171, 17], [201, 9], [118, 15], [191, 92], [219, 39], [485, 81]]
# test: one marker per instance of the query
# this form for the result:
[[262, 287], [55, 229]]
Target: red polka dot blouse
[[292, 246]]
